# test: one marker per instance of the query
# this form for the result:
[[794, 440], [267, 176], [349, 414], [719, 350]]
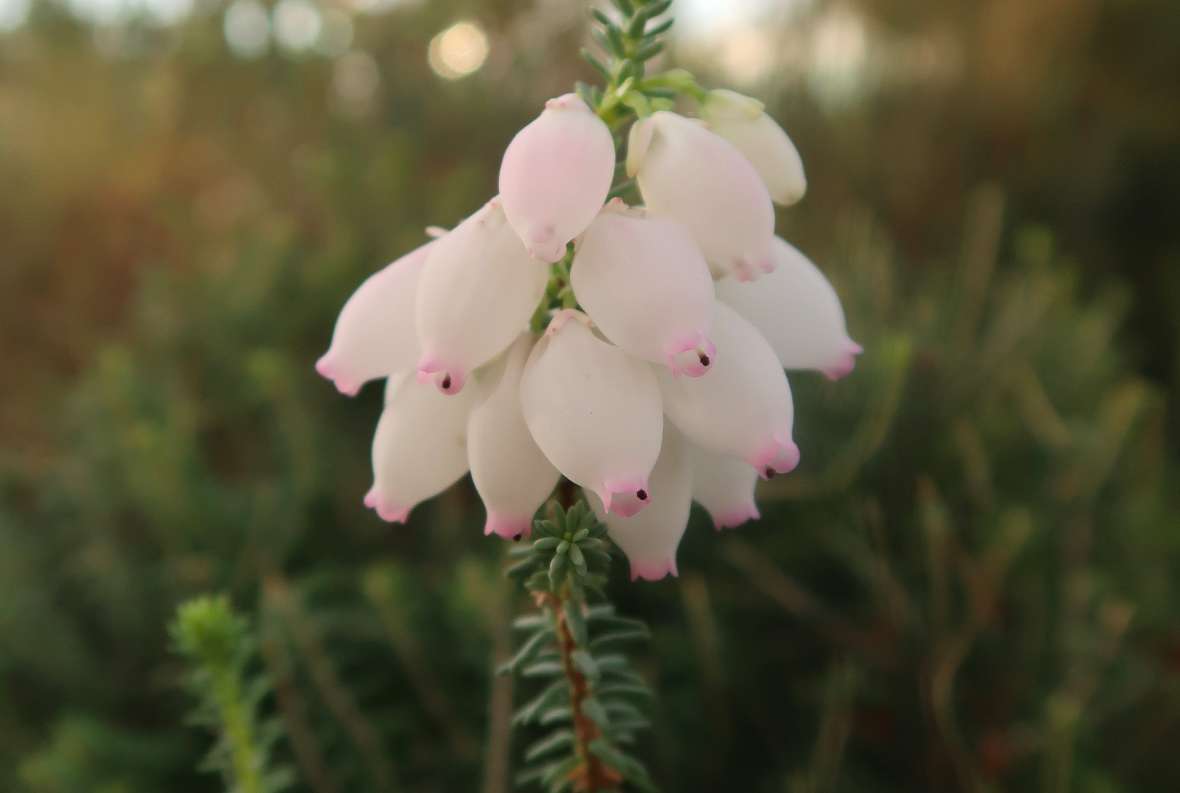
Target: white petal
[[555, 176], [798, 312], [478, 290], [743, 408], [647, 288], [419, 449], [650, 538], [741, 121], [594, 411], [724, 486], [375, 334], [694, 176], [510, 473]]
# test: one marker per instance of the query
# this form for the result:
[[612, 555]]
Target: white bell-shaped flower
[[512, 475], [743, 408], [650, 538], [594, 411], [798, 312], [696, 177], [647, 288], [742, 121], [555, 176], [724, 486], [477, 292], [375, 334], [419, 449]]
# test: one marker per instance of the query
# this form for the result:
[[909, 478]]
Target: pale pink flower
[[724, 486], [375, 334], [477, 291], [798, 312], [511, 475], [742, 121], [646, 287], [689, 174], [650, 538], [743, 408], [419, 448], [594, 411], [555, 176]]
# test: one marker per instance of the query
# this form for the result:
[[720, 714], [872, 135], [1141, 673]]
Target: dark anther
[[516, 537], [641, 495], [770, 472], [704, 359], [446, 383]]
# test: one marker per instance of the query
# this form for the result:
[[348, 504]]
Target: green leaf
[[600, 612], [542, 669], [623, 689], [526, 651], [559, 714], [577, 624], [563, 548], [557, 740], [594, 710], [532, 622], [619, 637], [576, 556], [560, 771], [556, 692], [660, 29], [546, 544], [649, 51], [631, 769], [602, 18], [585, 664], [557, 570], [624, 6]]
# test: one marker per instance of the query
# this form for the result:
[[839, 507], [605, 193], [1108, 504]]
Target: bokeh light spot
[[297, 24], [458, 51], [247, 28]]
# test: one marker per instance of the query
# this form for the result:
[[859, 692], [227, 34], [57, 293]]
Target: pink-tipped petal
[[555, 176], [743, 405], [419, 448], [625, 497], [692, 356], [593, 410], [374, 335], [646, 287], [511, 474], [508, 527], [724, 486], [775, 457], [650, 538], [741, 121], [797, 311], [693, 176], [476, 295]]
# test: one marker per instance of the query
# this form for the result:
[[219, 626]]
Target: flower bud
[[697, 178], [724, 486], [555, 176], [419, 449], [511, 475], [743, 408], [798, 312], [477, 292], [375, 335], [647, 288], [650, 538], [594, 411], [741, 121]]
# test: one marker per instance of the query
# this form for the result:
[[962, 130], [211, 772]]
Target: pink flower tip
[[846, 363], [736, 517], [508, 527], [780, 456], [386, 511], [692, 356], [327, 370], [654, 571], [625, 497], [447, 379]]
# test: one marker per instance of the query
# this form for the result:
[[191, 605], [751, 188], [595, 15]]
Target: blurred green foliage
[[970, 583]]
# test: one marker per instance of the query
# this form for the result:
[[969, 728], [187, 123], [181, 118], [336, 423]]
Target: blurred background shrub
[[970, 584]]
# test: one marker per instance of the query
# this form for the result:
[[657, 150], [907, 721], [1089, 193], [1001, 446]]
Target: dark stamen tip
[[704, 359], [516, 537], [641, 495], [446, 383], [770, 472]]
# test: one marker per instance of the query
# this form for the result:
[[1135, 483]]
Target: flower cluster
[[659, 376]]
